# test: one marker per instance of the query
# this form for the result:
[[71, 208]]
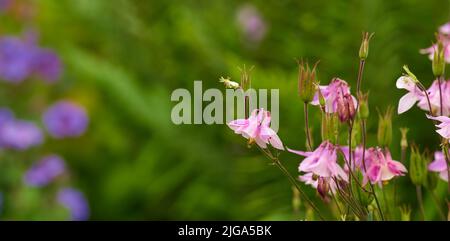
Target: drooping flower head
[[444, 126], [65, 119], [20, 135], [382, 167], [45, 171], [322, 161], [439, 165], [335, 94], [75, 201], [257, 129]]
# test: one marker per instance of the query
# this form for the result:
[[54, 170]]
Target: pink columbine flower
[[382, 167], [414, 93], [322, 161], [445, 29], [333, 94], [257, 129], [444, 126], [435, 99], [439, 165]]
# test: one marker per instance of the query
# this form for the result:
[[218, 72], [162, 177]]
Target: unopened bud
[[438, 64], [417, 167], [323, 187], [345, 107], [364, 49], [404, 141], [405, 213], [363, 105], [384, 134], [307, 79]]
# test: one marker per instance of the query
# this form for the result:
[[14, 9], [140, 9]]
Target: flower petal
[[406, 102]]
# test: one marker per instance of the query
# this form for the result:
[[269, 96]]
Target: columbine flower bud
[[405, 212], [363, 105], [364, 49], [417, 167], [404, 141], [438, 59], [384, 134], [307, 79], [345, 107], [323, 187]]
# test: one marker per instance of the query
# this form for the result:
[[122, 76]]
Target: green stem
[[308, 133], [372, 189], [293, 181], [420, 201]]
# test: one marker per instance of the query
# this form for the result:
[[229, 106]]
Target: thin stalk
[[308, 133], [337, 202], [293, 181], [372, 189], [420, 201], [440, 96], [421, 87], [447, 161], [360, 74], [438, 205]]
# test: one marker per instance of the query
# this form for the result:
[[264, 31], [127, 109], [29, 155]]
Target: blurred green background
[[123, 58]]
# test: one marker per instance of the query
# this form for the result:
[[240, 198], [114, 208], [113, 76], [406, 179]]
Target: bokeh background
[[121, 60]]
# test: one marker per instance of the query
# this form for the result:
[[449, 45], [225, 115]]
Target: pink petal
[[406, 102], [300, 153]]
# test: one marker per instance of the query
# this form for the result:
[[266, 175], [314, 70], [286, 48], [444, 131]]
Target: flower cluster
[[22, 58], [352, 173]]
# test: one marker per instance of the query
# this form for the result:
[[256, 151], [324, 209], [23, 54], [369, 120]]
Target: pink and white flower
[[439, 165], [382, 167], [322, 161], [257, 129], [415, 95], [333, 93], [444, 126]]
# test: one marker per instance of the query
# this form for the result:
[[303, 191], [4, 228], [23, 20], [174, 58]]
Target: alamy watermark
[[212, 107]]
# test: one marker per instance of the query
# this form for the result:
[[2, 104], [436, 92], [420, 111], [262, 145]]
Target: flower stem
[[308, 133], [360, 74], [420, 201], [438, 206], [421, 87], [440, 95], [447, 161], [372, 189], [278, 163]]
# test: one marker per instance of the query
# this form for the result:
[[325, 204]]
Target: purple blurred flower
[[6, 115], [45, 171], [47, 65], [251, 23], [76, 202], [65, 119], [20, 135], [4, 5], [21, 58], [16, 59]]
